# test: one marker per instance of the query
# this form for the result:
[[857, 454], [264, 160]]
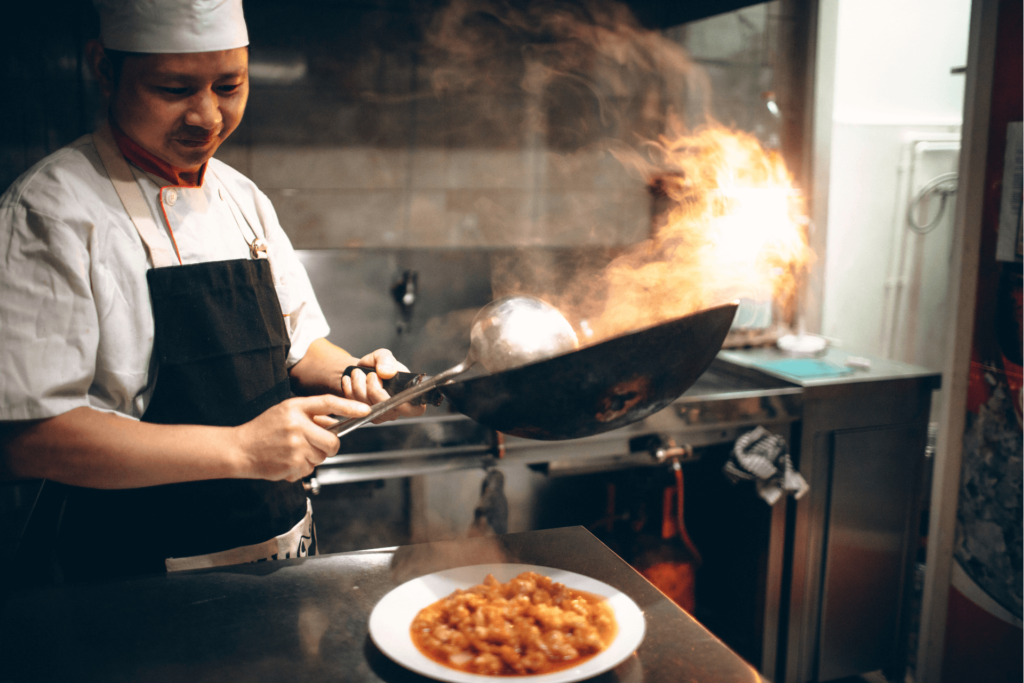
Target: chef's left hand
[[366, 387]]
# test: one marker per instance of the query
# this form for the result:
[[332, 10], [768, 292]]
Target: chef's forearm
[[321, 369], [85, 447]]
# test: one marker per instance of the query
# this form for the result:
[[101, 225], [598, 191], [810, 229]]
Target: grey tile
[[317, 219], [594, 218], [323, 168], [471, 120], [303, 115], [439, 168], [490, 217], [236, 156], [588, 170]]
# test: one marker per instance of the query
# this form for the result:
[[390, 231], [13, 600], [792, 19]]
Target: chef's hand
[[288, 440], [366, 388]]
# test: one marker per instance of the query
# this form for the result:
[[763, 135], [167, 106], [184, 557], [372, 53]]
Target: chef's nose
[[203, 111]]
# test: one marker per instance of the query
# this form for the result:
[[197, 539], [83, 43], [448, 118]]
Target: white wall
[[893, 59], [892, 86]]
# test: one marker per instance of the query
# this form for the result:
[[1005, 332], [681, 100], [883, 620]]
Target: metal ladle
[[507, 333]]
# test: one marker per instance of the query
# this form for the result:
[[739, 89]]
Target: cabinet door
[[874, 488]]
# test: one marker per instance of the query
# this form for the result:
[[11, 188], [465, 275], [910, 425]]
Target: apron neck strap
[[257, 245], [134, 203]]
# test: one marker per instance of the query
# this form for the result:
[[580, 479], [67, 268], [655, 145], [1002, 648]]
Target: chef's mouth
[[196, 143]]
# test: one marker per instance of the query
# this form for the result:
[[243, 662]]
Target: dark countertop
[[306, 620]]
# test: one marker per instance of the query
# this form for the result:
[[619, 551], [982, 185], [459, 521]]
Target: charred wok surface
[[597, 388]]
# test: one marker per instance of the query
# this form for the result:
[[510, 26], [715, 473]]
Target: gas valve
[[661, 448], [404, 291]]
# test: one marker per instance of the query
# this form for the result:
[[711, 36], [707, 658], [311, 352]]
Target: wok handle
[[400, 382], [343, 427]]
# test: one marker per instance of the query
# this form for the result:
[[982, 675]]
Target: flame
[[595, 80], [735, 229]]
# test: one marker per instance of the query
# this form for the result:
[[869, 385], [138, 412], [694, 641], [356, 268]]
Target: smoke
[[571, 76], [411, 561], [568, 83]]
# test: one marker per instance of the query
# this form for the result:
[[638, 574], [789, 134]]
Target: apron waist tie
[[299, 541]]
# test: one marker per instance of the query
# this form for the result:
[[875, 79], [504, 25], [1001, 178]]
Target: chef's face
[[179, 107]]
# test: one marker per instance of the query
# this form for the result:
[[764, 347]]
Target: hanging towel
[[763, 457]]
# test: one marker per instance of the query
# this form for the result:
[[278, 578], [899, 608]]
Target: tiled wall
[[370, 126], [492, 164], [362, 196]]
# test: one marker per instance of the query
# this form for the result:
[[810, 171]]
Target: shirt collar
[[150, 163]]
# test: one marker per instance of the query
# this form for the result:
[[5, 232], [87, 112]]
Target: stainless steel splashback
[[418, 303]]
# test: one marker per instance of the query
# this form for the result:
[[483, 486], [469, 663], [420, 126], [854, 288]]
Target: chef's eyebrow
[[188, 76], [241, 71]]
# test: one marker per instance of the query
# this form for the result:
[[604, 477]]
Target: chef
[[161, 350]]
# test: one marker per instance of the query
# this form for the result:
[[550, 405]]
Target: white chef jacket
[[76, 322]]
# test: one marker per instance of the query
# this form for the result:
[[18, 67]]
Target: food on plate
[[530, 625]]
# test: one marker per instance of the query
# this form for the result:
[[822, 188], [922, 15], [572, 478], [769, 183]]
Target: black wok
[[596, 388]]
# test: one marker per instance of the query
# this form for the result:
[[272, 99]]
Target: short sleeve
[[49, 328]]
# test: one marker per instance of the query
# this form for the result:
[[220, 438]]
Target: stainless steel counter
[[306, 620]]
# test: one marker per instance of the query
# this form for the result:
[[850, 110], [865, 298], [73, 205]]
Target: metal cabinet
[[869, 529], [861, 447]]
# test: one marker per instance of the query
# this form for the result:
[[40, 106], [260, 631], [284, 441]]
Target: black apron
[[221, 346]]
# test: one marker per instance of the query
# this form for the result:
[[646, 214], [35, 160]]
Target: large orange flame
[[735, 228]]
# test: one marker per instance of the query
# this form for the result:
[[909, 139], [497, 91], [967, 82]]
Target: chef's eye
[[173, 91], [227, 89]]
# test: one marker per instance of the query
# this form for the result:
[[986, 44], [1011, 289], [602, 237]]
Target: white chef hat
[[171, 26]]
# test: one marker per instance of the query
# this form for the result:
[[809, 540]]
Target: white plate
[[391, 620]]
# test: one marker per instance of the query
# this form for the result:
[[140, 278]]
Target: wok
[[596, 388]]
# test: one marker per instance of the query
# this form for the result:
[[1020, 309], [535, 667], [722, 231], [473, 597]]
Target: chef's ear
[[101, 67]]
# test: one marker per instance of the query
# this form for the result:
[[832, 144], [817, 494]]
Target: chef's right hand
[[288, 440]]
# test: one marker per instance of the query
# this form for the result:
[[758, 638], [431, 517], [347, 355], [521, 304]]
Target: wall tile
[[322, 168], [492, 217], [439, 168], [236, 156], [587, 169], [467, 120], [316, 219], [429, 223], [595, 218], [305, 115], [463, 216]]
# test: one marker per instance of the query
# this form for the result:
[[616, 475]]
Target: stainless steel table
[[306, 620]]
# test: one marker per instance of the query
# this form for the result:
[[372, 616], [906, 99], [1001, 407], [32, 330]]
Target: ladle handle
[[343, 427]]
